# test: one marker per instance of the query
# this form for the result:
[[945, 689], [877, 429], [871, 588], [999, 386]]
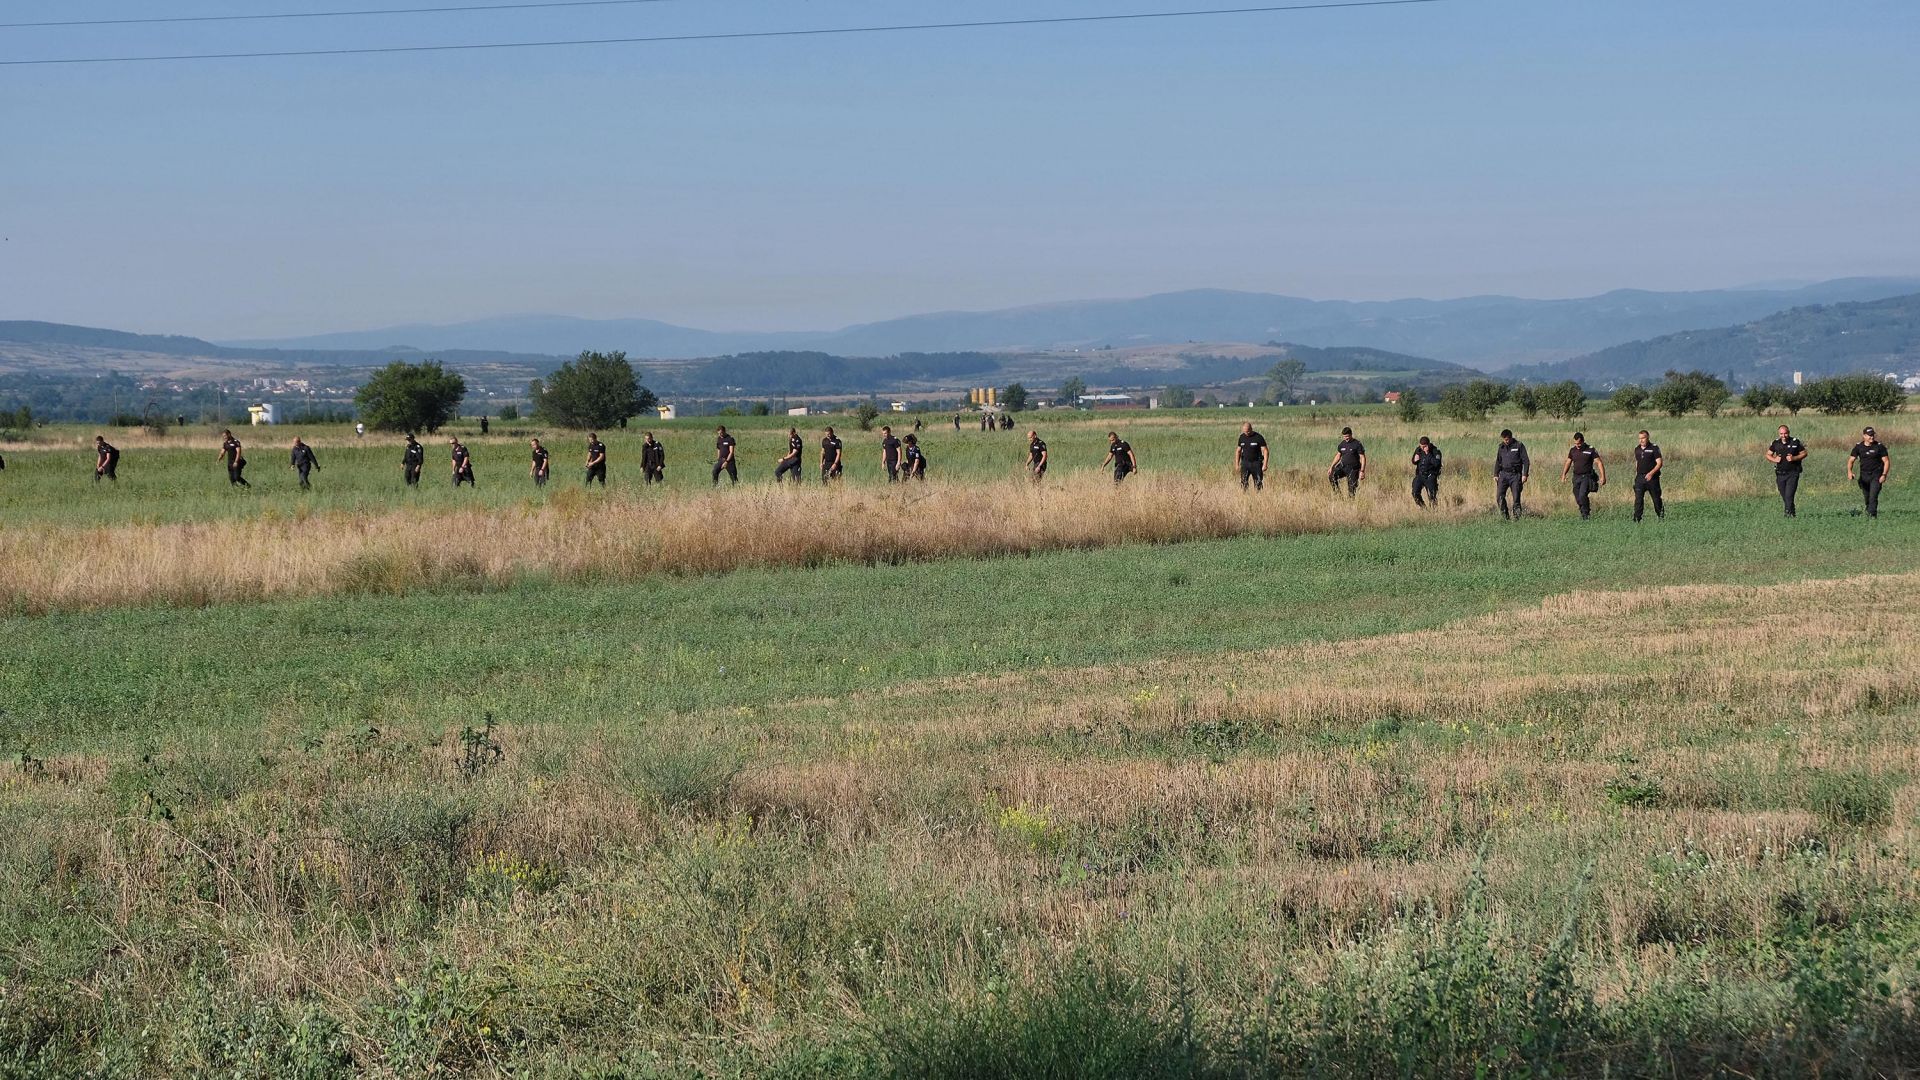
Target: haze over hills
[[1818, 340], [1487, 332]]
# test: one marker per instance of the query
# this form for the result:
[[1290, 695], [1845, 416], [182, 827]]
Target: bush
[[1681, 394], [1630, 399], [1856, 799], [1563, 400], [1410, 409], [1845, 394], [1527, 400], [1762, 396]]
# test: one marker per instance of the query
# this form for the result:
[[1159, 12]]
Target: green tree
[[594, 390], [410, 397], [1681, 393], [1283, 377], [1527, 399], [865, 413], [1760, 397], [1455, 405], [509, 412], [1485, 395], [1410, 410], [1177, 397], [1014, 398], [1794, 399], [1071, 388], [1563, 400], [1630, 399], [1843, 394], [760, 408]]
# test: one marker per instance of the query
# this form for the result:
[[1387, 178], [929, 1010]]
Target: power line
[[328, 14], [735, 36]]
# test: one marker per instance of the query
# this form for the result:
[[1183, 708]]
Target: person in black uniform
[[1511, 469], [1426, 473], [1120, 456], [1875, 466], [915, 464], [106, 461], [833, 456], [304, 462], [1588, 471], [1036, 456], [791, 463], [1250, 457], [653, 460], [1786, 453], [890, 453], [462, 463], [1647, 464], [1349, 463], [542, 465], [413, 460], [723, 456], [235, 458], [596, 459]]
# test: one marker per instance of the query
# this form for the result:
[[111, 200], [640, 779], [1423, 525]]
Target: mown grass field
[[1344, 791]]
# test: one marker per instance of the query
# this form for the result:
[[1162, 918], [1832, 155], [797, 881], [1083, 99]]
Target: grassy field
[[1337, 790]]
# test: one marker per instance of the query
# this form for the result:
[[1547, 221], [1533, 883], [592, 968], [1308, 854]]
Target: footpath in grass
[[576, 655]]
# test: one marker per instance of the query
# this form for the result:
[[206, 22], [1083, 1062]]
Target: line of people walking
[[1869, 464]]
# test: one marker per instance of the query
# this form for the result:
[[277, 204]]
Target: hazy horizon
[[1464, 148]]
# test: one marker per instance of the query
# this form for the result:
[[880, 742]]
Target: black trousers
[[1352, 477], [730, 466], [1642, 487], [1252, 471], [1870, 487], [411, 474], [304, 482], [1039, 472], [787, 465], [829, 471], [1583, 489], [1506, 482], [464, 476], [1120, 472], [236, 473], [596, 472], [893, 470], [1428, 483], [656, 474], [1789, 485], [110, 470]]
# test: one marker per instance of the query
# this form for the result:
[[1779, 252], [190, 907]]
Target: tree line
[[1676, 395]]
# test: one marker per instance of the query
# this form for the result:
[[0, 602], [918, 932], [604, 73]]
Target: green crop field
[[1330, 788]]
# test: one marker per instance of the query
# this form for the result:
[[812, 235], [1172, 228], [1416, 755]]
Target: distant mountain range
[[1818, 340], [1487, 332], [95, 339]]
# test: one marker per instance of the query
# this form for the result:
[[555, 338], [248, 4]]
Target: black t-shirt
[[1251, 443], [540, 459], [1786, 448], [1036, 451], [1583, 458], [230, 449], [1426, 460], [890, 448], [415, 455], [110, 452], [460, 458], [1873, 459], [303, 457], [1350, 451], [596, 449], [723, 446], [830, 449], [1511, 458], [914, 454], [1123, 456], [1644, 457], [652, 453], [794, 445]]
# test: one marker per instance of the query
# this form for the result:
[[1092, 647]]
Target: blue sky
[[1533, 147]]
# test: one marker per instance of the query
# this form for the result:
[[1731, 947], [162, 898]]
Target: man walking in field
[[413, 460], [542, 466], [1426, 473], [914, 465], [1511, 468], [235, 459], [653, 460], [723, 456], [833, 455], [791, 462], [1349, 463], [304, 462], [1647, 464], [462, 463], [1250, 457], [889, 453], [596, 459], [1875, 466], [1588, 471], [106, 460], [1120, 456], [1786, 453], [1036, 456]]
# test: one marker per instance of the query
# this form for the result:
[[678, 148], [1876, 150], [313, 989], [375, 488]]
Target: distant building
[[897, 406], [1796, 378], [666, 412], [262, 414], [1107, 401], [1392, 397], [801, 411]]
